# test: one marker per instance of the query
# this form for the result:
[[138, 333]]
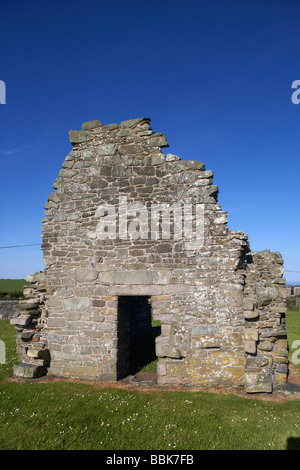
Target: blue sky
[[215, 76]]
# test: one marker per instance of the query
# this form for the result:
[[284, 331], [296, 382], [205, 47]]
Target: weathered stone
[[257, 362], [250, 347], [135, 277], [135, 290], [28, 371], [157, 140], [171, 158], [133, 122], [260, 387], [106, 149], [77, 303], [130, 232], [250, 315], [21, 320], [7, 308], [194, 165], [37, 353], [85, 275], [198, 330], [251, 334], [88, 125], [77, 137], [265, 346]]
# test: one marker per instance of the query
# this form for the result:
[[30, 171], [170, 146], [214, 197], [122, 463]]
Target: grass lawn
[[11, 288], [9, 285], [293, 326], [69, 415]]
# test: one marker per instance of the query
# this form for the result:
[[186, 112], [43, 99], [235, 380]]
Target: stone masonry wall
[[30, 321], [195, 292], [7, 308], [200, 292], [265, 331]]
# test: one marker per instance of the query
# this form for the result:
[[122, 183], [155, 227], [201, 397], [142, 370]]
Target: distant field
[[11, 288], [9, 285], [293, 326]]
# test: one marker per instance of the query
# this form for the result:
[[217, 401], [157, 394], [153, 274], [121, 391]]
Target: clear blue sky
[[215, 76]]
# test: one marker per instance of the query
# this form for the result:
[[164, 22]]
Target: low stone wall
[[292, 290], [266, 348], [7, 309], [29, 321]]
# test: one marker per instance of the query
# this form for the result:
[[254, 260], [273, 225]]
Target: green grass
[[12, 288], [9, 285], [291, 303], [69, 415], [293, 326]]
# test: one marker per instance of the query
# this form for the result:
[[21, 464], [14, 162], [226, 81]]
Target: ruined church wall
[[221, 307], [266, 348], [196, 293]]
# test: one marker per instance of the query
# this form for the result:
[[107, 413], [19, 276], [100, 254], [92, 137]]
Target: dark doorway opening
[[136, 335]]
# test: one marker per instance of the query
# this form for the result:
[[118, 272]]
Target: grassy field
[[11, 288], [293, 326], [70, 415], [291, 303], [9, 285]]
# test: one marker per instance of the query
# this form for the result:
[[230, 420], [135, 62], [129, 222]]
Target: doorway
[[136, 334]]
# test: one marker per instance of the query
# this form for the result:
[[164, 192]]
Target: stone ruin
[[130, 234]]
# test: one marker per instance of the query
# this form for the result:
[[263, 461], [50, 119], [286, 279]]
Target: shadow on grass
[[293, 443]]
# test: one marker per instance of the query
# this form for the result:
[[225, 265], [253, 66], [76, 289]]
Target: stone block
[[161, 368], [56, 322], [265, 346], [251, 314], [157, 140], [38, 353], [85, 275], [106, 149], [279, 378], [77, 303], [77, 137], [251, 334], [207, 341], [135, 290], [194, 165], [135, 277], [88, 125], [28, 371], [202, 329], [265, 386], [134, 122], [21, 320], [250, 347], [257, 362], [177, 288]]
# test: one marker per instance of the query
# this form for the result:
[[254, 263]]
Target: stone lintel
[[149, 289]]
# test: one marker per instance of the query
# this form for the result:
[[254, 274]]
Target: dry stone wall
[[7, 308], [292, 290], [29, 320], [111, 230], [265, 331]]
